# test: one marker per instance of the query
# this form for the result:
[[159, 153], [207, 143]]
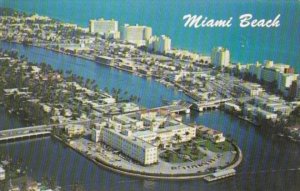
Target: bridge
[[201, 106], [23, 133], [35, 131], [180, 107]]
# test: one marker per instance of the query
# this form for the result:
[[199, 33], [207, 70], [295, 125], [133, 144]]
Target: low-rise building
[[74, 129], [176, 134], [265, 114], [250, 89], [215, 136], [129, 107], [126, 120], [145, 135]]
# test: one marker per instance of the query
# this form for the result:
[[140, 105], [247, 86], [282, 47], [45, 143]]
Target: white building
[[213, 135], [126, 120], [160, 44], [136, 34], [131, 146], [104, 27], [268, 72], [176, 134], [2, 173], [265, 114], [220, 57], [251, 89], [137, 134], [285, 81], [74, 129], [96, 133]]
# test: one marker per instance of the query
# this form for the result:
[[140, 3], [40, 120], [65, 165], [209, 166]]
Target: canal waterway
[[269, 163]]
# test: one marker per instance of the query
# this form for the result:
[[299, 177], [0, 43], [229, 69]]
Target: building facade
[[220, 57], [104, 27], [285, 81], [96, 133], [136, 34], [160, 44], [135, 148]]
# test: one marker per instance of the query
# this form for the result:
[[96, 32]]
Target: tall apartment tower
[[220, 57], [160, 44]]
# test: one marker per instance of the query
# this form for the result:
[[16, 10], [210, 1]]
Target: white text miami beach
[[246, 20]]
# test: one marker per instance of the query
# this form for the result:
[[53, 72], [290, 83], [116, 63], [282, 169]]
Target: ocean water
[[247, 45]]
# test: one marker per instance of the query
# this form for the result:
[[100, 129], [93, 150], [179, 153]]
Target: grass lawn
[[172, 157], [194, 154], [214, 147], [185, 154]]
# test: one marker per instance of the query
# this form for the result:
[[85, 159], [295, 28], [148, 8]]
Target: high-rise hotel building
[[220, 57], [160, 44], [136, 34], [104, 27]]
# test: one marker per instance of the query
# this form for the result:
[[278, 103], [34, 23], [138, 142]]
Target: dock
[[220, 175], [35, 131]]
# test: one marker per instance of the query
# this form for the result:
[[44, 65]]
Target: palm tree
[[158, 140], [187, 133], [177, 138]]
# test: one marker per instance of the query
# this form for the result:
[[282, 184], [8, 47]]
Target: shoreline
[[169, 177], [175, 85], [186, 92]]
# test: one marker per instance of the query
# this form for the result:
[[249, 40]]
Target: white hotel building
[[109, 28], [136, 34], [133, 147], [139, 135]]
